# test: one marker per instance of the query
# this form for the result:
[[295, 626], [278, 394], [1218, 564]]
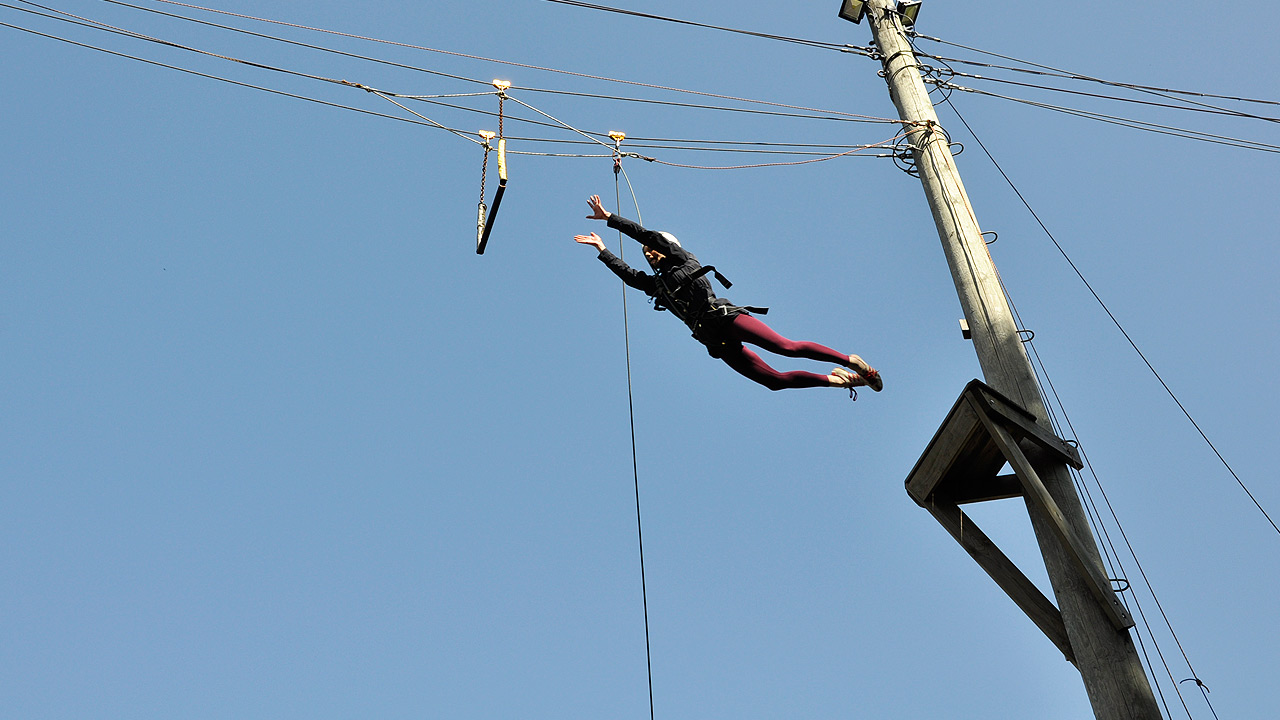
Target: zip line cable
[[934, 77], [1126, 122], [364, 111], [431, 99], [782, 164], [631, 411], [294, 42], [823, 115], [768, 36], [872, 53], [703, 167], [866, 118], [84, 22], [1085, 78], [1055, 72], [1211, 110], [837, 116], [1116, 322], [230, 81], [77, 20], [1067, 74]]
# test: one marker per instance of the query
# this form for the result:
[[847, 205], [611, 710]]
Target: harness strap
[[712, 269]]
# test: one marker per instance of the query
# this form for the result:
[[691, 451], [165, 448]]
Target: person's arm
[[641, 281], [634, 230]]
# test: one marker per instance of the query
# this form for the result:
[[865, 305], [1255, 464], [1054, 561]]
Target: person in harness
[[679, 285]]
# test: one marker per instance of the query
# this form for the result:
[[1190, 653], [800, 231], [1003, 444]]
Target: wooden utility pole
[[1100, 644]]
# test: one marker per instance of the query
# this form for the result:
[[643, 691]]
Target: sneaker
[[848, 379], [870, 375]]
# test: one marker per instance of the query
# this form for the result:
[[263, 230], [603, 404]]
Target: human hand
[[597, 210], [592, 239]]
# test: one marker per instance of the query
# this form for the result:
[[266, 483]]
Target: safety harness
[[674, 293]]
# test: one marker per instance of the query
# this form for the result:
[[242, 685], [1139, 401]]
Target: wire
[[631, 411], [85, 22], [847, 117], [1116, 322], [703, 167], [1128, 122], [1073, 76], [768, 36], [833, 115], [1058, 72], [564, 124], [388, 95], [868, 118], [230, 81], [747, 150], [1095, 517], [295, 42], [780, 164], [1211, 110], [385, 95]]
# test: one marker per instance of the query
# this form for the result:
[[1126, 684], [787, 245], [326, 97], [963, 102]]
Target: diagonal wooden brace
[[1039, 495], [1002, 570]]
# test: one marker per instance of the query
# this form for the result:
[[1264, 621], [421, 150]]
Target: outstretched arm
[[639, 280], [593, 240], [651, 238]]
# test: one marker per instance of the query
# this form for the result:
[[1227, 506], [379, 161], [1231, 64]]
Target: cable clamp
[[502, 86], [348, 83], [617, 136], [1197, 681], [486, 136]]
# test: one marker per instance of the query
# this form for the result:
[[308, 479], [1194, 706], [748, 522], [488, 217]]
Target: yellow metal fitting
[[502, 84], [617, 136], [488, 135]]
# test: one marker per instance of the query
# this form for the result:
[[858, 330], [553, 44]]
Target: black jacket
[[679, 284]]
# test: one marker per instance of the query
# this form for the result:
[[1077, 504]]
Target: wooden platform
[[983, 432]]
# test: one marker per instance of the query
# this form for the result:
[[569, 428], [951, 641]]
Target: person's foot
[[846, 379], [870, 375]]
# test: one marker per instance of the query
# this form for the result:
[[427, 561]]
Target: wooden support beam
[[1023, 424], [1038, 494], [1001, 569]]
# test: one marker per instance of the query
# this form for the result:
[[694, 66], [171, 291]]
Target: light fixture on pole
[[909, 9], [852, 10]]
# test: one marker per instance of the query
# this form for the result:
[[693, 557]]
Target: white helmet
[[670, 238]]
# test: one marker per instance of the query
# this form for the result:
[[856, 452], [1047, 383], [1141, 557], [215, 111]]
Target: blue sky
[[277, 443]]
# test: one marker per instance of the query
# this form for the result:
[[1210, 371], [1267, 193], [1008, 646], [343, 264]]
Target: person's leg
[[748, 364], [746, 328]]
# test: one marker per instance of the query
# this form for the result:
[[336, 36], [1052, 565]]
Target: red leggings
[[747, 329]]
